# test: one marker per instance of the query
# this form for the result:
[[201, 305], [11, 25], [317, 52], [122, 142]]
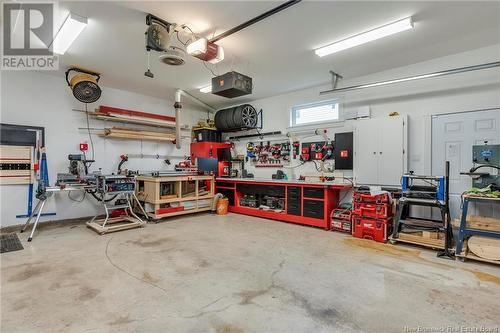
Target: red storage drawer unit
[[374, 229], [376, 211], [368, 198]]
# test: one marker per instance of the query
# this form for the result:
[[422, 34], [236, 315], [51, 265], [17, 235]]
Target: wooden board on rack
[[474, 257], [182, 212], [480, 197], [484, 247], [122, 133], [480, 222], [422, 240], [156, 123]]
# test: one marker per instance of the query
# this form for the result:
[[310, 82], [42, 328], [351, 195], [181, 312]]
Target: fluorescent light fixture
[[206, 90], [69, 31], [365, 37]]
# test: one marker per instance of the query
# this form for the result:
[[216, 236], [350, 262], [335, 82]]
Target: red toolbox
[[376, 211], [368, 198], [340, 220], [374, 229]]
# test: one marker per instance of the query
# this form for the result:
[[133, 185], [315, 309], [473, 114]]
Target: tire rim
[[249, 116]]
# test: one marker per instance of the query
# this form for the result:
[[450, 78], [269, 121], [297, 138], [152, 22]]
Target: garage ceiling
[[277, 52]]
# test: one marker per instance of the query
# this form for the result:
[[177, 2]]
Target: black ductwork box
[[232, 84]]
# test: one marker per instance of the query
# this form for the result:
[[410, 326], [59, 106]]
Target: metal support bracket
[[335, 79]]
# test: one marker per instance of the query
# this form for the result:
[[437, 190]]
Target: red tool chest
[[372, 216], [376, 211], [374, 229]]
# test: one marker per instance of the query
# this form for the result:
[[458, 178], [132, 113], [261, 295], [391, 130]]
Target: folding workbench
[[308, 203]]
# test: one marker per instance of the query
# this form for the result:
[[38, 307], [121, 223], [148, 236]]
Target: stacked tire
[[236, 118]]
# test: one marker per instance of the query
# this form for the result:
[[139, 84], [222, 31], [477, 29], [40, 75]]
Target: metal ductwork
[[178, 107], [210, 108]]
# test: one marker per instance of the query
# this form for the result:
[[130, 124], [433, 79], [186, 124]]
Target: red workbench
[[307, 203]]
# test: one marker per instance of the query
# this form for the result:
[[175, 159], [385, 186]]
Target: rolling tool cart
[[424, 191]]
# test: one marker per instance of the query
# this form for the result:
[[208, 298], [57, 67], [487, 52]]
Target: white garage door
[[453, 136]]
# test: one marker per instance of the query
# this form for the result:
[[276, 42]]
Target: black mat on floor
[[9, 243]]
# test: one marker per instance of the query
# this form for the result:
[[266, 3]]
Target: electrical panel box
[[343, 152], [232, 84]]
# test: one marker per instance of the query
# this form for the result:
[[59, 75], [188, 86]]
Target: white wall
[[418, 99], [38, 99]]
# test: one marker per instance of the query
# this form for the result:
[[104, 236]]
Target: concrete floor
[[234, 273]]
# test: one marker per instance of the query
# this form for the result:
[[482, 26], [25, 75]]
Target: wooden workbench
[[173, 195]]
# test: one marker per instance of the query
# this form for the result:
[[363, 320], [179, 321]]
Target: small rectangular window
[[320, 112]]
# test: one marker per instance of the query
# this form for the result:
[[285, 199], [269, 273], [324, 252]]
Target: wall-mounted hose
[[123, 159]]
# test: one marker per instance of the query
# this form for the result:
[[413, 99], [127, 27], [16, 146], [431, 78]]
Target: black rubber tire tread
[[234, 118], [219, 120], [238, 116], [230, 124]]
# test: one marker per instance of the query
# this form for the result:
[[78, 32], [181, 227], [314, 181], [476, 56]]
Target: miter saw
[[78, 171]]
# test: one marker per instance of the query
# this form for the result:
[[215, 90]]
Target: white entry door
[[453, 136]]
